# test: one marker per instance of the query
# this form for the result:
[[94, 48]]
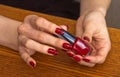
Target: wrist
[[100, 10], [9, 34]]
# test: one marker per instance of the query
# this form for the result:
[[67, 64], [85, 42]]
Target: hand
[[36, 34], [92, 27]]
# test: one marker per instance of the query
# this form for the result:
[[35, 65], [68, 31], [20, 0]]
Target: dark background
[[64, 8]]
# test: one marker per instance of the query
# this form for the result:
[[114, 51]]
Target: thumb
[[88, 34]]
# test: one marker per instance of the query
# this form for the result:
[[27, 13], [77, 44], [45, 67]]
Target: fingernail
[[67, 46], [59, 31], [52, 51], [86, 38], [86, 60], [76, 58], [70, 54], [32, 63]]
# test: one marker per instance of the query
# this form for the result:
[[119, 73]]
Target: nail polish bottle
[[78, 45]]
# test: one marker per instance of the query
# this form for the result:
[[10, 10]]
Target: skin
[[29, 36], [92, 24]]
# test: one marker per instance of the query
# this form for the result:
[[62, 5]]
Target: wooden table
[[11, 65]]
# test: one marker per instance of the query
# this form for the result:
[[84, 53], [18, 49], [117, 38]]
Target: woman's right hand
[[36, 35]]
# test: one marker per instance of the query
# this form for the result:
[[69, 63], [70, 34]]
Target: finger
[[70, 53], [36, 46], [26, 57], [99, 57], [47, 25], [45, 38], [86, 63], [34, 20], [65, 27], [29, 51], [88, 32], [78, 58], [79, 27]]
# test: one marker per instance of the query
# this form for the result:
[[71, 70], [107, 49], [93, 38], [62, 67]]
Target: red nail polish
[[86, 60], [77, 45], [52, 51], [76, 58], [59, 31], [86, 38], [32, 63], [70, 54], [67, 46]]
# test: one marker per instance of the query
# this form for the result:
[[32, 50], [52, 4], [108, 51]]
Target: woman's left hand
[[92, 28]]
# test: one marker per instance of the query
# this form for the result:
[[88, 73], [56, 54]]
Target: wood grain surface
[[11, 65]]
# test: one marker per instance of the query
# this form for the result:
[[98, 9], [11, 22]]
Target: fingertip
[[70, 53], [52, 51], [86, 38], [91, 65], [77, 58], [31, 62], [65, 27], [86, 60], [94, 59]]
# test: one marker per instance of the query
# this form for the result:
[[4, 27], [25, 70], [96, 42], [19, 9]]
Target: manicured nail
[[32, 63], [67, 46], [70, 54], [76, 58], [59, 31], [86, 38], [52, 51], [86, 60]]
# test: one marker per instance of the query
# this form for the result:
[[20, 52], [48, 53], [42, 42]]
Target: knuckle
[[40, 20], [22, 39], [27, 42], [50, 25], [30, 16], [21, 28]]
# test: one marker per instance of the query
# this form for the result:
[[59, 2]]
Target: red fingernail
[[70, 54], [52, 51], [59, 31], [67, 46], [86, 38], [76, 58], [32, 63], [86, 60]]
